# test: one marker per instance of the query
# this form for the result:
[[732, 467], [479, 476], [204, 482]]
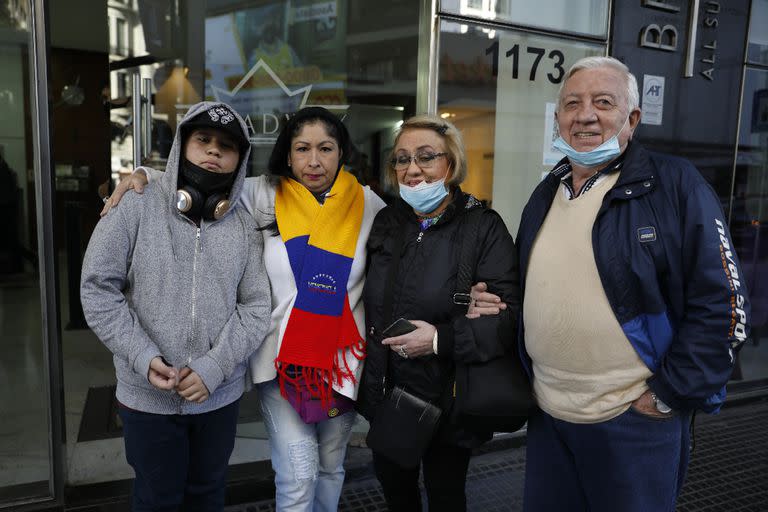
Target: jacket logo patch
[[738, 320], [646, 234]]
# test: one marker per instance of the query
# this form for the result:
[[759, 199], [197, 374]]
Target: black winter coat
[[423, 290]]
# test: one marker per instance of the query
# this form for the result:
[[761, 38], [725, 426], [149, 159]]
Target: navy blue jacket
[[669, 270]]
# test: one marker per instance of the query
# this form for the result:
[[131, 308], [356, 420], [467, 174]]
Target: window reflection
[[749, 218]]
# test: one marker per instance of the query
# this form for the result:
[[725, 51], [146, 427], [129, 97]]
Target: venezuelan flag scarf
[[321, 240]]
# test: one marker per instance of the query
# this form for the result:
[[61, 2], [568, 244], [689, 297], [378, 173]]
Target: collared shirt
[[565, 173], [427, 222]]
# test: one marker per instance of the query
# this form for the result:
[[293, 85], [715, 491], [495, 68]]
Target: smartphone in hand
[[398, 328]]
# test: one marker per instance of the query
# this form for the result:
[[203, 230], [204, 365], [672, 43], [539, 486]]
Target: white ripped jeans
[[308, 459]]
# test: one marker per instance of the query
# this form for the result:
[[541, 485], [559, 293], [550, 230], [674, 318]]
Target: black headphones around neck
[[202, 194], [194, 203]]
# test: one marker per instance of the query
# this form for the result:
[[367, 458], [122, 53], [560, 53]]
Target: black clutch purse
[[403, 427]]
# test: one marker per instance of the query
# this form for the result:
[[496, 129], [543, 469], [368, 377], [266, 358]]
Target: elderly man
[[633, 306]]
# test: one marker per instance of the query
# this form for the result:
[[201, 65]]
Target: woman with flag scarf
[[307, 371], [315, 221]]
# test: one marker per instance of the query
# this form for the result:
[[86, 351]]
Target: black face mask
[[204, 180]]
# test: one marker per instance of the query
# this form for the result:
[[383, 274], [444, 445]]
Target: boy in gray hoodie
[[173, 283]]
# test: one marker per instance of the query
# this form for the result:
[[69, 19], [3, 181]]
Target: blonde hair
[[454, 147]]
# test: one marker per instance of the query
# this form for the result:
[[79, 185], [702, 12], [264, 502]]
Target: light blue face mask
[[603, 153], [424, 197]]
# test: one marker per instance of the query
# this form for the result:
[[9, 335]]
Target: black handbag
[[403, 424], [495, 395]]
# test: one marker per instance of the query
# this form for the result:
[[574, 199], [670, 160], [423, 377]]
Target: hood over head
[[211, 115]]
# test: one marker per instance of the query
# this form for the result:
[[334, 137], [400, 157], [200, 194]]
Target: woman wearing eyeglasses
[[428, 164]]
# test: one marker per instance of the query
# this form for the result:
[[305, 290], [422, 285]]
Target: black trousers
[[445, 475], [180, 461]]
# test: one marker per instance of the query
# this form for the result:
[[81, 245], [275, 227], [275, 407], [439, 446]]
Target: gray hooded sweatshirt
[[155, 284]]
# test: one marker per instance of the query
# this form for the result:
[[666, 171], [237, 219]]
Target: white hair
[[631, 93]]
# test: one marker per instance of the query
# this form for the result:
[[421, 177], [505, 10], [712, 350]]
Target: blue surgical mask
[[603, 153], [424, 197]]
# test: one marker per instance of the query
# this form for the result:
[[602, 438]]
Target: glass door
[[25, 427]]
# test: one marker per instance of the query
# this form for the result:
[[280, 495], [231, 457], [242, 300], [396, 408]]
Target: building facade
[[89, 89]]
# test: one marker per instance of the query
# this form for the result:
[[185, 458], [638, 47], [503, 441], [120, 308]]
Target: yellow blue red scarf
[[321, 240]]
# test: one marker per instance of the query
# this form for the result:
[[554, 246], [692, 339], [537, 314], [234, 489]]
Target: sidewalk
[[728, 471]]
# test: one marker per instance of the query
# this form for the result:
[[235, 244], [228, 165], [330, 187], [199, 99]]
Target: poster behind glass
[[270, 60]]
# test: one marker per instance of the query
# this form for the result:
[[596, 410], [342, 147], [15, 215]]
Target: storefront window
[[749, 219], [588, 17], [500, 89]]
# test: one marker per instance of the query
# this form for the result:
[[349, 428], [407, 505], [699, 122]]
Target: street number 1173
[[555, 76]]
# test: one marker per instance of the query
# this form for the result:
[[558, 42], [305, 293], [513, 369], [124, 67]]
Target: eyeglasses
[[423, 160]]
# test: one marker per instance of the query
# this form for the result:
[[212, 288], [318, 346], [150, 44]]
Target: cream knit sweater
[[585, 369]]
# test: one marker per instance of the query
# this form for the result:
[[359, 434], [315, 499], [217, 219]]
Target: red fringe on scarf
[[319, 381]]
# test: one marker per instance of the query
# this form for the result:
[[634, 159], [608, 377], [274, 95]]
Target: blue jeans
[[180, 461], [308, 459], [632, 463]]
